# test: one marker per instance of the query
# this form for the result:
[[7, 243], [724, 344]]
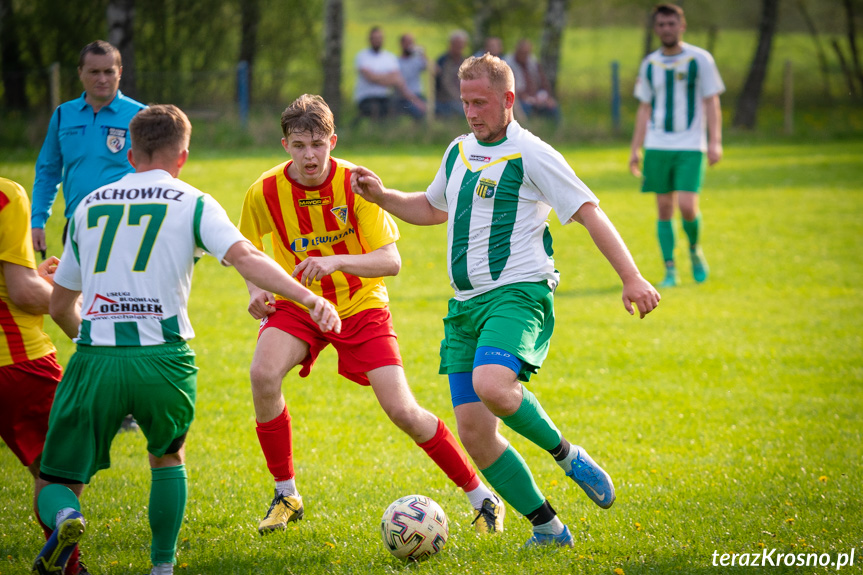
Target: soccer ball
[[414, 527]]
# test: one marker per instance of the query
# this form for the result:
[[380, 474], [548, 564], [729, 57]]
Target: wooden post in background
[[54, 84], [788, 89]]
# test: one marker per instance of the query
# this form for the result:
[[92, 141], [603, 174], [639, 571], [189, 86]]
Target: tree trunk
[[482, 14], [14, 78], [846, 71], [250, 16], [852, 40], [819, 49], [648, 33], [334, 20], [552, 36], [121, 21], [747, 103]]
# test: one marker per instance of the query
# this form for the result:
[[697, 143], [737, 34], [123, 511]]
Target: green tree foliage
[[185, 52]]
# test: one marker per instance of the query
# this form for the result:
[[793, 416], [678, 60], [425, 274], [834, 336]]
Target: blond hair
[[487, 66]]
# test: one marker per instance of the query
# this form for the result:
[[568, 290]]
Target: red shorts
[[367, 341], [26, 395]]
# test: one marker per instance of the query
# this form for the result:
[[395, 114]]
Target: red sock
[[72, 566], [450, 457], [275, 439]]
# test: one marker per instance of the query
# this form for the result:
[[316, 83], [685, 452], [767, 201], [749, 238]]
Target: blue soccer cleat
[[542, 539], [672, 278], [54, 555], [591, 478], [699, 264]]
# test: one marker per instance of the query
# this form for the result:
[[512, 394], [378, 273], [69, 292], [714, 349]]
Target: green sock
[[665, 232], [167, 506], [531, 421], [511, 478], [692, 229], [52, 499]]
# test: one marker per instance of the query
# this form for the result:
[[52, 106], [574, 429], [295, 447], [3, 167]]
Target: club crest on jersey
[[341, 212], [116, 139], [307, 202], [485, 188], [681, 76], [299, 245]]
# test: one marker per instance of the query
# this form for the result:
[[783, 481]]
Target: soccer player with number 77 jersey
[[130, 251]]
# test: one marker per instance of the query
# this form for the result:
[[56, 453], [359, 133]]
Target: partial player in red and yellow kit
[[29, 371], [341, 247]]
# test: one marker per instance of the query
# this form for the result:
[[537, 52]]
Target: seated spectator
[[377, 75], [412, 63], [447, 84], [492, 45], [532, 89]]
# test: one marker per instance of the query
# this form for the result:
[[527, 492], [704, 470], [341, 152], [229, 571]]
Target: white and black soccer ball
[[414, 527]]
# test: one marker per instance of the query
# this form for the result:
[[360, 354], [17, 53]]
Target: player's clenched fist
[[326, 316]]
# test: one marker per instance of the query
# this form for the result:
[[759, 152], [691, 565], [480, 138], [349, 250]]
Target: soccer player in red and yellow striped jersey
[[340, 246], [29, 371]]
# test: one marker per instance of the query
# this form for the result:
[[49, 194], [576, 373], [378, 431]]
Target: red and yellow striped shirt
[[21, 335], [322, 221]]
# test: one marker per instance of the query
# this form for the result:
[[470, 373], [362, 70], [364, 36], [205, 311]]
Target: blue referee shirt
[[83, 150]]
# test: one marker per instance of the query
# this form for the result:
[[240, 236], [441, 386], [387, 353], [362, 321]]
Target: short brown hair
[[101, 48], [667, 9], [308, 113], [161, 127], [487, 66]]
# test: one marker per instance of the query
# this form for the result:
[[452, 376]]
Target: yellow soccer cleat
[[489, 517], [283, 510]]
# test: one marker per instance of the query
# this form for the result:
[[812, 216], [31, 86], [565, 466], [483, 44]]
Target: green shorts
[[101, 385], [673, 170], [518, 318]]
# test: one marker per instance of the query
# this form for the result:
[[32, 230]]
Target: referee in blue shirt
[[87, 139]]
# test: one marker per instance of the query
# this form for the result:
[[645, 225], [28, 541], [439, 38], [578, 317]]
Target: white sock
[[553, 527], [480, 494], [566, 462], [62, 515], [287, 487], [163, 569]]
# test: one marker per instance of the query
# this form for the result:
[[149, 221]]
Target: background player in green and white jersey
[[130, 251], [678, 87], [495, 189]]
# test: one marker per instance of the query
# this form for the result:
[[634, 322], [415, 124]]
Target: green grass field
[[730, 418]]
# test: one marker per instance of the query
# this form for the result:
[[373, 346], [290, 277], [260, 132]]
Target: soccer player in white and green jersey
[[130, 251], [678, 87], [495, 189]]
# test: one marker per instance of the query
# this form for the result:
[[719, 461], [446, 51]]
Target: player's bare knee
[[265, 379], [494, 395], [405, 417]]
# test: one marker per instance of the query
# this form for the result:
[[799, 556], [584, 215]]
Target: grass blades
[[729, 418]]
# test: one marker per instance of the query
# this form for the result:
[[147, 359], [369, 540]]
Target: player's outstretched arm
[[414, 208], [382, 262], [65, 310], [26, 287], [713, 112], [256, 267], [636, 289], [641, 118]]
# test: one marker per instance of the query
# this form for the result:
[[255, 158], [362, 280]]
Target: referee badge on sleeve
[[116, 139]]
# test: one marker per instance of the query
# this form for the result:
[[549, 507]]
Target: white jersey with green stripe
[[131, 249], [498, 198], [675, 86]]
